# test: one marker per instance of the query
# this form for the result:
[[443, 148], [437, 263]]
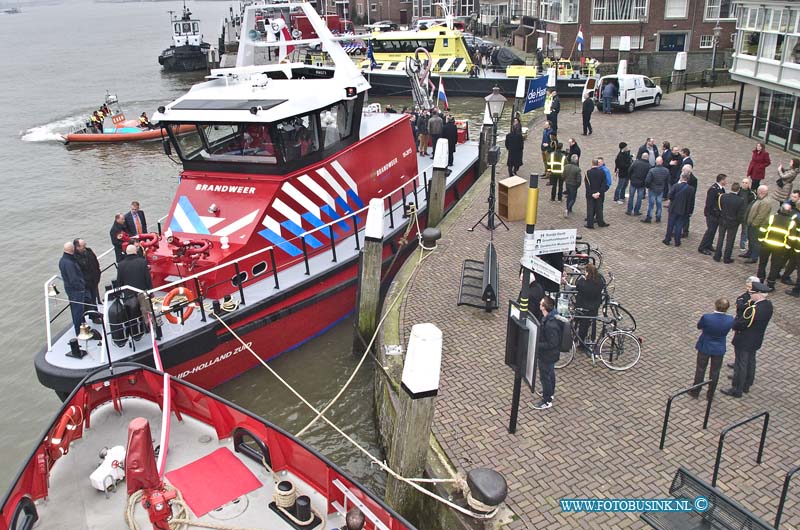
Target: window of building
[[675, 9], [559, 11], [792, 50], [614, 44], [596, 43], [373, 7], [748, 44], [636, 42], [672, 42], [772, 48], [706, 41], [719, 9], [615, 11]]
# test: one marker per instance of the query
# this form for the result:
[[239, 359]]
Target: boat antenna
[[447, 11]]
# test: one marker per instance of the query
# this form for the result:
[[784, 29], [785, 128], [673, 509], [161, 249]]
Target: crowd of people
[[428, 126], [80, 268], [95, 121]]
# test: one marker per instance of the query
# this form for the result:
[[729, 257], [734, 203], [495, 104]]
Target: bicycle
[[625, 320], [618, 349], [580, 257]]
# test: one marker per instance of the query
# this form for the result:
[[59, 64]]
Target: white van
[[633, 91]]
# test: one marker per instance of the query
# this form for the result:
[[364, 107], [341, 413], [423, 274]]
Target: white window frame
[[638, 9], [676, 17], [706, 41], [613, 43], [597, 42], [712, 9], [373, 8], [636, 42], [546, 8]]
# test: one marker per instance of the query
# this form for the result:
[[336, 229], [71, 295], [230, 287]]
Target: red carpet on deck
[[212, 481]]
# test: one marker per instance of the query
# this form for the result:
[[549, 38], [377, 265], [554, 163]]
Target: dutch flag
[[579, 38], [442, 95]]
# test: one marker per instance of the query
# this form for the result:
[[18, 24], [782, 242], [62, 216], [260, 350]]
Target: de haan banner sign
[[537, 91]]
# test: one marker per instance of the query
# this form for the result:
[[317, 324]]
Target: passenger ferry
[[263, 236], [187, 52]]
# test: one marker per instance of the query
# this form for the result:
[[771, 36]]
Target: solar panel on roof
[[226, 104]]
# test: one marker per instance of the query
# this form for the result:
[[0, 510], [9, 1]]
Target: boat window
[[187, 28], [298, 136], [251, 142], [190, 143], [195, 27], [259, 268], [336, 122], [177, 29]]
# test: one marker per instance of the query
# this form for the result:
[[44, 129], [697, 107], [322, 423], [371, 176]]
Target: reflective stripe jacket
[[780, 230]]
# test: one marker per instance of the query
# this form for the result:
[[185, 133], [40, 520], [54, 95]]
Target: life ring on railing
[[148, 240], [185, 311], [58, 445]]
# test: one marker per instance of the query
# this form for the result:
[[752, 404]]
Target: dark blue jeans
[[619, 193], [654, 198], [675, 225], [607, 105], [639, 192], [547, 376], [572, 196]]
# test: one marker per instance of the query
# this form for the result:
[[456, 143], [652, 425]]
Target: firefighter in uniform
[[776, 243], [555, 170], [795, 244]]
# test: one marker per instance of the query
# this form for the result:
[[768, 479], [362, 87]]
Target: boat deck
[[74, 503]]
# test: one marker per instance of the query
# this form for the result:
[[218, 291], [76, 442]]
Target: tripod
[[494, 155]]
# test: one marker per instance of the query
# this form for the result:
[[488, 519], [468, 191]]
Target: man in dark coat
[[90, 267], [435, 126], [681, 204], [572, 181], [119, 236], [548, 351], [656, 182], [514, 145], [134, 271], [586, 112], [650, 148], [712, 211], [450, 132], [750, 328], [637, 174], [595, 195], [555, 108], [74, 284], [135, 221], [732, 208]]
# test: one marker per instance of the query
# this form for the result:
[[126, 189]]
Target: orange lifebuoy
[[185, 312], [58, 445], [148, 240]]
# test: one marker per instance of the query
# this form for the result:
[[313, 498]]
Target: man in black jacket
[[134, 271], [586, 112], [74, 284], [548, 351], [732, 209], [637, 175], [555, 108], [656, 182], [712, 211], [595, 195], [90, 267], [681, 204], [119, 236], [750, 328], [450, 132]]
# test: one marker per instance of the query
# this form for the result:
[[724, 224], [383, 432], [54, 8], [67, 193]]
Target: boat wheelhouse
[[188, 50]]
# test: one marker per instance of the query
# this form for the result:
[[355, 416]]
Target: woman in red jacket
[[758, 165]]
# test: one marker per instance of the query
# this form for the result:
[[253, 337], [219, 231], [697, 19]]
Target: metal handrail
[[784, 492], [415, 182], [728, 429], [669, 408]]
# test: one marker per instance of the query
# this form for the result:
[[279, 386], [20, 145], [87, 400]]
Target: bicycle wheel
[[598, 257], [566, 357], [620, 350], [623, 318]]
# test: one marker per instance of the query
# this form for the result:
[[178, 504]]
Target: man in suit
[[750, 328], [595, 195], [648, 147], [586, 112], [712, 211], [119, 236], [732, 208], [711, 345], [135, 221], [681, 205]]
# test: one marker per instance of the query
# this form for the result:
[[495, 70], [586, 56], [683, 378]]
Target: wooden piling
[[369, 277], [438, 184], [409, 444]]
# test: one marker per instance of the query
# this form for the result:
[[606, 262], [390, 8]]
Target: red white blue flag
[[579, 38], [442, 95]]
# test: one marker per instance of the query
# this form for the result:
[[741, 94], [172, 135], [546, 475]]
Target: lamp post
[[494, 108], [558, 51], [717, 32], [642, 20]]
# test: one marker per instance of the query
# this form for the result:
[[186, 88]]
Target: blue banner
[[537, 90]]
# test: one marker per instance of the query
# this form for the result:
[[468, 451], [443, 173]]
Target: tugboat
[[262, 239], [131, 443], [188, 51]]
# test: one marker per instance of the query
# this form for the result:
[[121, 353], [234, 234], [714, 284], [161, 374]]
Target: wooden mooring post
[[438, 184], [369, 277], [409, 446]]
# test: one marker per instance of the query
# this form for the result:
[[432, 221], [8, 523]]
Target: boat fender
[[240, 446], [116, 320], [185, 311], [27, 510], [111, 471], [58, 445]]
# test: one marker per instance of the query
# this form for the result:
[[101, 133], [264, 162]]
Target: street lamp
[[495, 102], [717, 32], [558, 50]]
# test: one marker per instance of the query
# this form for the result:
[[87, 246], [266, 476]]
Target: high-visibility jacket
[[794, 237], [555, 164], [779, 230]]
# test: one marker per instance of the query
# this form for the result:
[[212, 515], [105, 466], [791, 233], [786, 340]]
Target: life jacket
[[780, 231]]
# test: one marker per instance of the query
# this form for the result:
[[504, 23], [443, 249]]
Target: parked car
[[382, 25], [633, 91]]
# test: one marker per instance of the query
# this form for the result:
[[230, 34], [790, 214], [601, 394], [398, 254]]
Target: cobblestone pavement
[[601, 437]]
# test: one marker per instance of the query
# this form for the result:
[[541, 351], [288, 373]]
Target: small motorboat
[[134, 444], [122, 129]]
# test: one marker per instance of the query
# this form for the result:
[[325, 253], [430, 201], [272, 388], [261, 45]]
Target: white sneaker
[[542, 405]]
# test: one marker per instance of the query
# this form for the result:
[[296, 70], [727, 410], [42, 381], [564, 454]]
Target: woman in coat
[[786, 177], [711, 345], [515, 145], [758, 165]]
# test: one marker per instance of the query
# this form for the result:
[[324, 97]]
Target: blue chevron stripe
[[330, 212], [355, 198], [279, 242], [191, 214], [298, 231]]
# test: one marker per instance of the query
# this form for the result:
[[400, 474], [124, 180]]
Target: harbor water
[[59, 62]]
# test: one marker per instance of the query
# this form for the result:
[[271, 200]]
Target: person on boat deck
[[144, 121], [74, 284], [96, 123], [119, 237], [100, 119], [135, 220], [105, 110], [354, 520], [134, 271]]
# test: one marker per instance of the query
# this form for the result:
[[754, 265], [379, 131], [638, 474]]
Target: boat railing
[[410, 193]]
